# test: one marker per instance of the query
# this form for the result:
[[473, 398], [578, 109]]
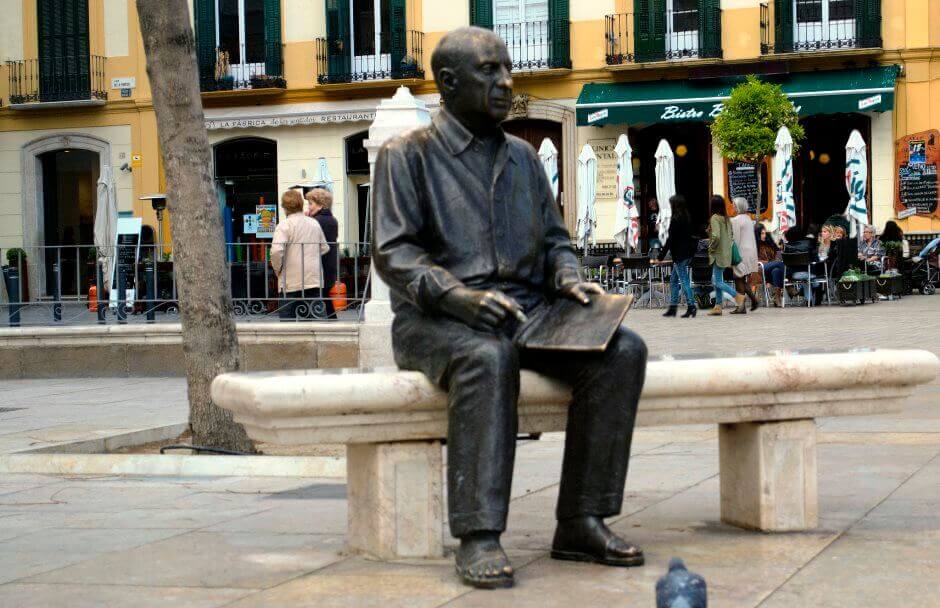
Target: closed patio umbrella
[[665, 187], [549, 157], [626, 221], [856, 182], [106, 221], [587, 192], [784, 213]]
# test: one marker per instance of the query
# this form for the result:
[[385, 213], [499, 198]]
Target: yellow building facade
[[287, 83]]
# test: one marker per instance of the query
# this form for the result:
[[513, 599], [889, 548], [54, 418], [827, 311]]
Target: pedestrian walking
[[652, 224], [319, 207], [296, 252], [720, 242], [742, 229], [682, 246]]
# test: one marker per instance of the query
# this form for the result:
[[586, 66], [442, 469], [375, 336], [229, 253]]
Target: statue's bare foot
[[482, 563], [588, 539]]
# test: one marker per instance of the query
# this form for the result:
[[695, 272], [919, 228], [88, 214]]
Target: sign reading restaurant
[[294, 120]]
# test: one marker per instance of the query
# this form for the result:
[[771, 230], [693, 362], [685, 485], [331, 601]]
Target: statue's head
[[472, 70]]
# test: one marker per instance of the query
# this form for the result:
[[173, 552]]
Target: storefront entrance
[[246, 174], [69, 196], [820, 170], [691, 146]]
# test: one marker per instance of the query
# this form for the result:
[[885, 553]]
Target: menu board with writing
[[917, 191], [606, 154], [126, 255], [745, 180]]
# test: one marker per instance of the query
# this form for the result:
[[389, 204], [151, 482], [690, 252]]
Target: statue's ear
[[447, 80]]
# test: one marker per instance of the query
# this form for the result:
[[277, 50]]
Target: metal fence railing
[[537, 45], [397, 59], [51, 79], [82, 284], [619, 38], [802, 26], [670, 35]]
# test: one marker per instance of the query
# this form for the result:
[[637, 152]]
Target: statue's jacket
[[438, 225]]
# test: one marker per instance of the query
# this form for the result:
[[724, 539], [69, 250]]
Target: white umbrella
[[626, 221], [784, 215], [549, 157], [856, 182], [320, 179], [665, 187], [106, 220], [587, 193]]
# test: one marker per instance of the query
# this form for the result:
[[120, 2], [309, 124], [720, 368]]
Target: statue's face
[[482, 85]]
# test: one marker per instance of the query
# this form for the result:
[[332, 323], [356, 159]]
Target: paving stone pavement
[[239, 541]]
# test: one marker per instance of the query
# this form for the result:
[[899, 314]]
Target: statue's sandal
[[601, 547], [486, 569]]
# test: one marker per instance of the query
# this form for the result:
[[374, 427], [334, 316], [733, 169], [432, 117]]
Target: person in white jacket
[[742, 228], [296, 253]]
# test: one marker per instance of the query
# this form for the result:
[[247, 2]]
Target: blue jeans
[[718, 281], [773, 272], [680, 273]]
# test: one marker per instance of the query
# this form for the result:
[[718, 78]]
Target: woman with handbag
[[720, 246], [742, 229]]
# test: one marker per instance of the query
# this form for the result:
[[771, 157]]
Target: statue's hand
[[484, 310], [581, 291]]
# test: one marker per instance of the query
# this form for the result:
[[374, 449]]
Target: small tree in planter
[[747, 127]]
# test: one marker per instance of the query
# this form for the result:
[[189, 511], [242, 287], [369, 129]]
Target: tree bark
[[210, 344]]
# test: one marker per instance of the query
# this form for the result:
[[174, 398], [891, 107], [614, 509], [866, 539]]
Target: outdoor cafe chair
[[638, 276], [596, 270], [801, 264], [763, 283]]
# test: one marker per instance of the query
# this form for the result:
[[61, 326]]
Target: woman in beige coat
[[296, 254], [742, 228]]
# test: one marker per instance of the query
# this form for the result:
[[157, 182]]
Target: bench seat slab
[[768, 475]]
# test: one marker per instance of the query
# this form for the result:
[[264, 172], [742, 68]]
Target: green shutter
[[205, 42], [559, 28], [399, 37], [64, 58], [339, 61], [481, 13], [650, 30], [783, 26], [709, 30], [868, 23], [273, 59]]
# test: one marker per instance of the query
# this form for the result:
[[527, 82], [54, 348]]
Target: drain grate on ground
[[4, 410]]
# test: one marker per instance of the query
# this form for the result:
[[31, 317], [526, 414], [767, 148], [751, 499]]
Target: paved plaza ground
[[81, 541]]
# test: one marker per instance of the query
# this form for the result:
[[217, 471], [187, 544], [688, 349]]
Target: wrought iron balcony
[[808, 26], [668, 35], [58, 80], [246, 67], [537, 45], [404, 59]]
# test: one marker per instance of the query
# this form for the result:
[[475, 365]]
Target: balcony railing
[[671, 35], [57, 79], [537, 45], [335, 65], [807, 26], [247, 67]]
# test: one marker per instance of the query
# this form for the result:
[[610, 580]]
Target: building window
[[824, 24], [682, 25], [370, 24], [240, 34]]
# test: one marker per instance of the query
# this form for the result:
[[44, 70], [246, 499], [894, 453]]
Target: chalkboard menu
[[917, 191], [744, 181], [918, 187], [126, 261]]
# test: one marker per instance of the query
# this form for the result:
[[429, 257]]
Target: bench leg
[[395, 499], [768, 475]]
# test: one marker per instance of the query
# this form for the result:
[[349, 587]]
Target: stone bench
[[392, 422]]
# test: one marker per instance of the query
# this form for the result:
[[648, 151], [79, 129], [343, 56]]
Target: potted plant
[[890, 284], [16, 273], [855, 287]]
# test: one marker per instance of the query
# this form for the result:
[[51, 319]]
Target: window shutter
[[399, 37], [64, 59], [559, 28], [481, 13], [709, 28], [339, 61], [868, 23], [783, 26], [650, 30], [273, 60], [205, 42]]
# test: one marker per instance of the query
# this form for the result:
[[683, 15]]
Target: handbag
[[735, 255]]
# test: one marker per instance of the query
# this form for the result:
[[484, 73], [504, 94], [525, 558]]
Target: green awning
[[851, 90]]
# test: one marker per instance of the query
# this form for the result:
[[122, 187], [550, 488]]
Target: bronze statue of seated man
[[469, 239]]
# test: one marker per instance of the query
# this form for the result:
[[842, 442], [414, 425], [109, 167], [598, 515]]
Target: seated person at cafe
[[870, 250]]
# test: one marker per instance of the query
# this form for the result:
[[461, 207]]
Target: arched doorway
[[534, 131], [69, 202], [246, 176]]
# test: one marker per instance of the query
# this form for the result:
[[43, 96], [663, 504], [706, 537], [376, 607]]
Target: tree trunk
[[210, 344]]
